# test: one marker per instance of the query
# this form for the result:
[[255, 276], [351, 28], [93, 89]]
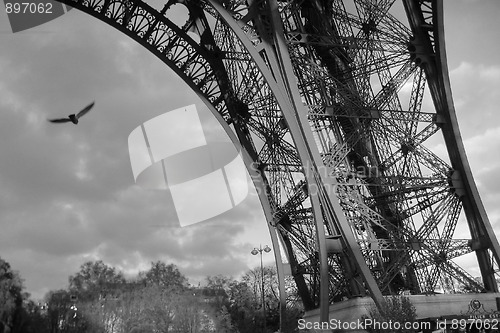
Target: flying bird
[[73, 117]]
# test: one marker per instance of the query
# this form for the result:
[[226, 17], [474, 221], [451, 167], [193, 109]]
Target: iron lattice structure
[[336, 106]]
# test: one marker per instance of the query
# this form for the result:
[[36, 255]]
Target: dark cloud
[[67, 192]]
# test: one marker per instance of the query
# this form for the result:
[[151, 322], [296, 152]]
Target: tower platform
[[439, 310]]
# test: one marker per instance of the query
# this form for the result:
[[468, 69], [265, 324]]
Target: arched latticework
[[337, 106]]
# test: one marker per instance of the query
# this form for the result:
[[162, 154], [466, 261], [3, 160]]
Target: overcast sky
[[67, 193]]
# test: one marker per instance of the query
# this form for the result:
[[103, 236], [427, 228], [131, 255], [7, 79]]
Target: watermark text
[[362, 324]]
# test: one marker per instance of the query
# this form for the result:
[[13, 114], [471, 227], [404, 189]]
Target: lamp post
[[256, 251]]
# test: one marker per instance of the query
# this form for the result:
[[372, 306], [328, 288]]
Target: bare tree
[[11, 296]]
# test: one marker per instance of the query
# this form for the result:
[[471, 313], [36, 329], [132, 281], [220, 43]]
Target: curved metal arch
[[202, 70], [271, 57], [288, 105], [484, 241], [164, 39]]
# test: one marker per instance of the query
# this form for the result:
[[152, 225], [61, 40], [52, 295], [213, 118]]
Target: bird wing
[[85, 110], [59, 120]]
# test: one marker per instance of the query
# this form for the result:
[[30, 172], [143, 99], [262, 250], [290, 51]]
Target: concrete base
[[427, 306]]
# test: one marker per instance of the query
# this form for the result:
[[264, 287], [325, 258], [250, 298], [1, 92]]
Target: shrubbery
[[396, 309]]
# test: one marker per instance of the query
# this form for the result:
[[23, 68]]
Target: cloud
[[482, 151], [475, 88], [67, 192]]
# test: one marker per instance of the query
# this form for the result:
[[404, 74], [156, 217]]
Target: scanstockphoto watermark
[[308, 170], [27, 14], [336, 179], [362, 324]]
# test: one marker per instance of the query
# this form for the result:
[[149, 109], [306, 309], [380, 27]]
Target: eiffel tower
[[336, 106]]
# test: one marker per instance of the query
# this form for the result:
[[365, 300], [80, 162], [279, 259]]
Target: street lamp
[[256, 251]]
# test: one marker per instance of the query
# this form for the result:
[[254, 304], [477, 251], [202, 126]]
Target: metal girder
[[426, 21]]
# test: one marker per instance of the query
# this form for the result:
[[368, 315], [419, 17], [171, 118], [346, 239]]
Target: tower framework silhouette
[[338, 107]]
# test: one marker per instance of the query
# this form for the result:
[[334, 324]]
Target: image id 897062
[[24, 14]]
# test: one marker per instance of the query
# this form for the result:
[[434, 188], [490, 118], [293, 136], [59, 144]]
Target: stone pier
[[428, 307]]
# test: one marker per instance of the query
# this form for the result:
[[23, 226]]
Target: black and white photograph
[[229, 166]]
